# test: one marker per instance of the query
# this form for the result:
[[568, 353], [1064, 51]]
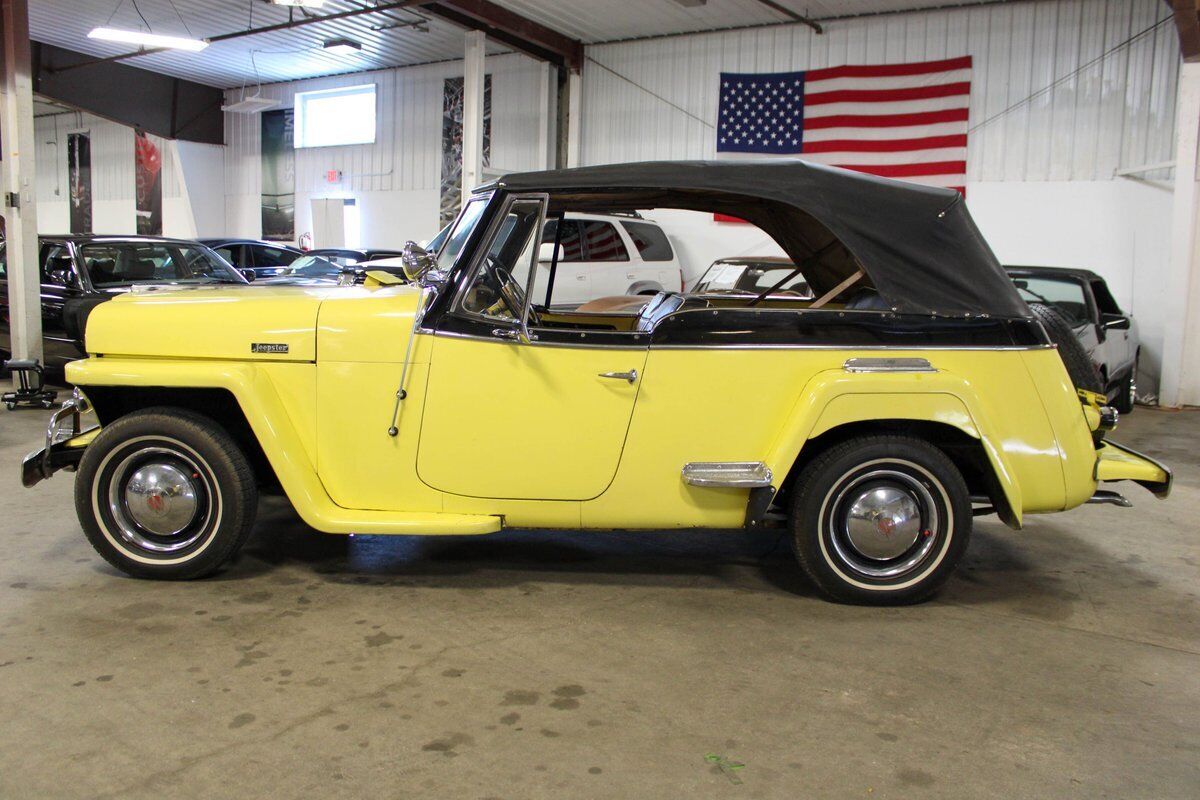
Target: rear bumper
[[1115, 462]]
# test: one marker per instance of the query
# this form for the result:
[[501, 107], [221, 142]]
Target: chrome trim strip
[[888, 365], [1107, 497], [853, 347], [727, 474], [539, 342]]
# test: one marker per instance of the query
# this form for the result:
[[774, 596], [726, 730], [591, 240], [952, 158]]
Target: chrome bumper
[[57, 453]]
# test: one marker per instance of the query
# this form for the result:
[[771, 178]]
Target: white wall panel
[[1113, 114], [406, 156]]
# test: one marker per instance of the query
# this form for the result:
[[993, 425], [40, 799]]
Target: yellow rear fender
[[283, 444], [836, 400]]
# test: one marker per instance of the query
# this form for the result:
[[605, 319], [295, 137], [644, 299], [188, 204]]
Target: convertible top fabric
[[918, 244]]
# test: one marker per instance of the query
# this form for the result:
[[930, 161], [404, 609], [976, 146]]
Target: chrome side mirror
[[59, 277], [419, 265]]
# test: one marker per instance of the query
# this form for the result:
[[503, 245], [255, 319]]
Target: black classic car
[[79, 272], [1108, 334], [253, 257]]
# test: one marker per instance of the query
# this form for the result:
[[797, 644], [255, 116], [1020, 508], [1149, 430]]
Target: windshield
[[726, 277], [312, 267], [127, 263], [436, 242], [1064, 294], [460, 232]]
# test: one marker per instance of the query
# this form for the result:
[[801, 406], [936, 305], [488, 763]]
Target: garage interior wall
[[113, 179], [395, 181], [1040, 177]]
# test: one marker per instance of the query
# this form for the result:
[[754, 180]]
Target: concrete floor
[[1063, 661]]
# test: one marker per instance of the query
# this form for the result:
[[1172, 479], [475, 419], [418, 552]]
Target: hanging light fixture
[[342, 47], [147, 39]]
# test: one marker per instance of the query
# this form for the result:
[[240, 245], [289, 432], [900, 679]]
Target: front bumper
[[64, 447], [1115, 462]]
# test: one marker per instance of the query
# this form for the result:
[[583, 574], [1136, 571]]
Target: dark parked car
[[263, 259], [1108, 334], [80, 272], [348, 257]]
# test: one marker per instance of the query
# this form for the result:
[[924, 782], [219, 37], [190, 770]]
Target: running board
[[1107, 497], [727, 474]]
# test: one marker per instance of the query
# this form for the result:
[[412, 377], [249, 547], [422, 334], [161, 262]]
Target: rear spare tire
[[1079, 365]]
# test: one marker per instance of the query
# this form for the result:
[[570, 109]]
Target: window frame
[[478, 259], [300, 104]]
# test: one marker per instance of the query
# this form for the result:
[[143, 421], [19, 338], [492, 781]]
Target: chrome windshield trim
[[851, 347], [542, 343]]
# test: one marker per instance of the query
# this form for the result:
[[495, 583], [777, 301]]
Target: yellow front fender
[[256, 394]]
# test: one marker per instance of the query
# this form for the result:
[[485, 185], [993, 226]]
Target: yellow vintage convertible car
[[912, 391]]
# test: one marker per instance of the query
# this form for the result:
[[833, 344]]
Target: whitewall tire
[[880, 519], [165, 493]]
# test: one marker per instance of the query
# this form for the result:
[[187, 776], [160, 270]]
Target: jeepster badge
[[267, 347]]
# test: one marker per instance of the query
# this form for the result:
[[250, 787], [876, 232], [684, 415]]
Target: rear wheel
[[880, 519], [165, 493]]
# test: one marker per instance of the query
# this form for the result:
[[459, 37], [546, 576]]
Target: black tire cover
[[1079, 365]]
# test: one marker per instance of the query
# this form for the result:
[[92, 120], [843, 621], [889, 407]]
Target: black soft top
[[917, 244]]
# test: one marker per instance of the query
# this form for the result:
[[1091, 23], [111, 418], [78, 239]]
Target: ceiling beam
[[792, 15], [512, 29], [1187, 21]]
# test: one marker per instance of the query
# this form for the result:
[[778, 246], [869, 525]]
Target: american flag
[[906, 121]]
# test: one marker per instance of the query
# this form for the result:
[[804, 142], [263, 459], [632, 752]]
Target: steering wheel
[[512, 293]]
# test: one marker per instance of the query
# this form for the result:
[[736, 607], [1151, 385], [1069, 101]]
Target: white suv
[[603, 256]]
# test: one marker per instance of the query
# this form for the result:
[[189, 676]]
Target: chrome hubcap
[[161, 498], [883, 522]]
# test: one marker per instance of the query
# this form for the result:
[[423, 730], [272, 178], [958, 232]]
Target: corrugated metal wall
[[112, 158], [1116, 113], [407, 152]]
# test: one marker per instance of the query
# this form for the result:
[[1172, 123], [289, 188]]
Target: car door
[[60, 284], [1115, 329], [510, 418]]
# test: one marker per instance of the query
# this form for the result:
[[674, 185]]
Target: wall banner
[[452, 143], [278, 175], [79, 177], [147, 160]]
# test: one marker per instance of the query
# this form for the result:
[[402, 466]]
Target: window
[[231, 253], [56, 265], [335, 116], [650, 241], [497, 289], [571, 241], [3, 261], [457, 237], [602, 242], [273, 257], [118, 263], [1063, 293]]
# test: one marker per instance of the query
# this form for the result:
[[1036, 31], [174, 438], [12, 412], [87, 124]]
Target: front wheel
[[880, 519], [165, 493]]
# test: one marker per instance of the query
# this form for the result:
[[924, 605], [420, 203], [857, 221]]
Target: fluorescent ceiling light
[[150, 39], [304, 3], [343, 47]]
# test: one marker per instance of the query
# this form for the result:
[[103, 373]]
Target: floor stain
[[241, 720], [520, 697], [380, 639], [448, 745]]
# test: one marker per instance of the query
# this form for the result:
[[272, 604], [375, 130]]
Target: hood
[[228, 322]]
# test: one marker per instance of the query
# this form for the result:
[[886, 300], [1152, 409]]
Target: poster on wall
[[278, 176], [147, 163], [452, 143], [79, 176]]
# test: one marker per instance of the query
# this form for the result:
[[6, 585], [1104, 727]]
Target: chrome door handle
[[630, 376]]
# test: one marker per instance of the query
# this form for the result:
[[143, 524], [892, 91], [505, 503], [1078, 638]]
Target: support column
[[547, 116], [472, 128], [1180, 382], [574, 116], [16, 134]]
